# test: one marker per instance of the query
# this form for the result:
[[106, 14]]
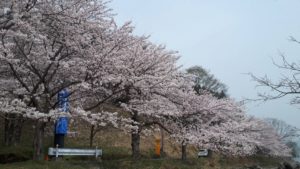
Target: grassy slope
[[143, 163], [116, 154]]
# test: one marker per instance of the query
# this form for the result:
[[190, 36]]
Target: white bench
[[74, 152], [203, 153]]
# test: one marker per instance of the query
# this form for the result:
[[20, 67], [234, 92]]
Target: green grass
[[132, 164], [107, 164], [49, 165]]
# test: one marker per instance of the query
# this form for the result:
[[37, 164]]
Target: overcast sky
[[228, 37]]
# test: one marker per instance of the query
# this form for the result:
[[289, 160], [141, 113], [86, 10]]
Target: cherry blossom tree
[[175, 104], [195, 113], [48, 45], [146, 68], [232, 133], [217, 124]]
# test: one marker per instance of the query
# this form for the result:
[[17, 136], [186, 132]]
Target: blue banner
[[61, 124], [63, 100]]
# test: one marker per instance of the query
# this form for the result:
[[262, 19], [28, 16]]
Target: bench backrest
[[74, 152]]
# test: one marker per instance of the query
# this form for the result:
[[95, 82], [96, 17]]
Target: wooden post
[[96, 152], [56, 152]]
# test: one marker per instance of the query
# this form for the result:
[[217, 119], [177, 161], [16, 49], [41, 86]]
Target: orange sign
[[157, 147]]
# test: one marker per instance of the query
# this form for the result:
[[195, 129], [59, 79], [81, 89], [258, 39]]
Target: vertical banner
[[61, 126]]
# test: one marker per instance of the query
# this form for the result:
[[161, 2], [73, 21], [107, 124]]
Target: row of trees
[[287, 133], [49, 45]]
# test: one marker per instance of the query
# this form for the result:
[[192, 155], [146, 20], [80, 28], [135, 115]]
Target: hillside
[[117, 153]]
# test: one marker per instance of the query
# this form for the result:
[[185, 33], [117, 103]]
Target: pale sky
[[228, 37]]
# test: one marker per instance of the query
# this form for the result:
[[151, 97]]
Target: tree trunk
[[92, 134], [12, 129], [8, 131], [135, 139], [18, 130], [183, 151], [135, 145], [38, 141], [162, 153]]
